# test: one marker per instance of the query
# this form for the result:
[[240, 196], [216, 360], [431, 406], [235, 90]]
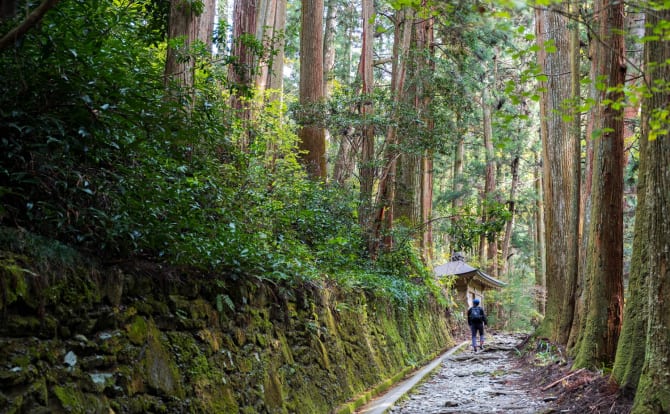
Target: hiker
[[477, 320]]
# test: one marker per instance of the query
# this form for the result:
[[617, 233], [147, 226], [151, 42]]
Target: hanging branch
[[31, 20]]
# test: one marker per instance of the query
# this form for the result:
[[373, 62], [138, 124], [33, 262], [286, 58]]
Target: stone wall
[[80, 338]]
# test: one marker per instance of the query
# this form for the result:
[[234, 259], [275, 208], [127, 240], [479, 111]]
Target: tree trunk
[[329, 45], [631, 348], [581, 305], [426, 39], [345, 161], [312, 137], [630, 353], [605, 245], [490, 239], [406, 203], [384, 214], [271, 22], [540, 249], [457, 177], [561, 164], [507, 241], [192, 25], [241, 73], [276, 70], [367, 157], [654, 387]]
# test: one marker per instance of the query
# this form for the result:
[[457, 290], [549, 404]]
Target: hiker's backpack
[[476, 314]]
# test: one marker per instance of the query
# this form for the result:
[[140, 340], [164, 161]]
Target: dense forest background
[[361, 143]]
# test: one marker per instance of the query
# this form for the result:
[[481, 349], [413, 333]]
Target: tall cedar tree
[[188, 23], [561, 163], [604, 260], [367, 157], [653, 393], [385, 201], [312, 137], [242, 73]]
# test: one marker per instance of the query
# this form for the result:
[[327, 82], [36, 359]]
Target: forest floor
[[512, 376]]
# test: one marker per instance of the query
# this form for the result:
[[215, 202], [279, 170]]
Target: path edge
[[381, 397]]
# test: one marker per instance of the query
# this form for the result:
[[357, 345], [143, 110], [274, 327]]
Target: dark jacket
[[484, 320]]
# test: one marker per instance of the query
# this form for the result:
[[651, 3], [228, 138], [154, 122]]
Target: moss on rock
[[159, 348]]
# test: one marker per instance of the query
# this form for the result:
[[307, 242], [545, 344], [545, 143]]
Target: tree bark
[[561, 165], [312, 137], [385, 200], [540, 243], [654, 387], [367, 157], [489, 242], [426, 36], [192, 25], [631, 348], [242, 72], [276, 70], [270, 26], [511, 203], [605, 244], [330, 31]]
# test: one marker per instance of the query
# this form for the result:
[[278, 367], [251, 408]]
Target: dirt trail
[[469, 382]]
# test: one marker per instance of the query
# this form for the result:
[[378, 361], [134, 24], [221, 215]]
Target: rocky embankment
[[79, 337]]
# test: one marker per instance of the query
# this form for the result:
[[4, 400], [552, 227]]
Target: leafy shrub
[[96, 156]]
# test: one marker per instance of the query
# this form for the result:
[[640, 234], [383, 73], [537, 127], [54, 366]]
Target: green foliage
[[96, 156]]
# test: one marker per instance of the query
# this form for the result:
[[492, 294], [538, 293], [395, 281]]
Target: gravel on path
[[474, 382]]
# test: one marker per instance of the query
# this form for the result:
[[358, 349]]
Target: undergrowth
[[95, 157]]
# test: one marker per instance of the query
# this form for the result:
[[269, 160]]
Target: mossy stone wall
[[79, 338]]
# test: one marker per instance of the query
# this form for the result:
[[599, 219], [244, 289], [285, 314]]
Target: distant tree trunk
[[270, 32], [330, 31], [312, 137], [540, 249], [349, 138], [653, 387], [384, 214], [190, 24], [426, 42], [272, 73], [457, 177], [345, 161], [605, 249], [243, 71], [276, 70], [561, 159], [426, 243], [457, 184], [489, 242], [367, 157], [511, 206], [406, 205]]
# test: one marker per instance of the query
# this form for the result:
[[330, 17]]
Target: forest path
[[469, 382]]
